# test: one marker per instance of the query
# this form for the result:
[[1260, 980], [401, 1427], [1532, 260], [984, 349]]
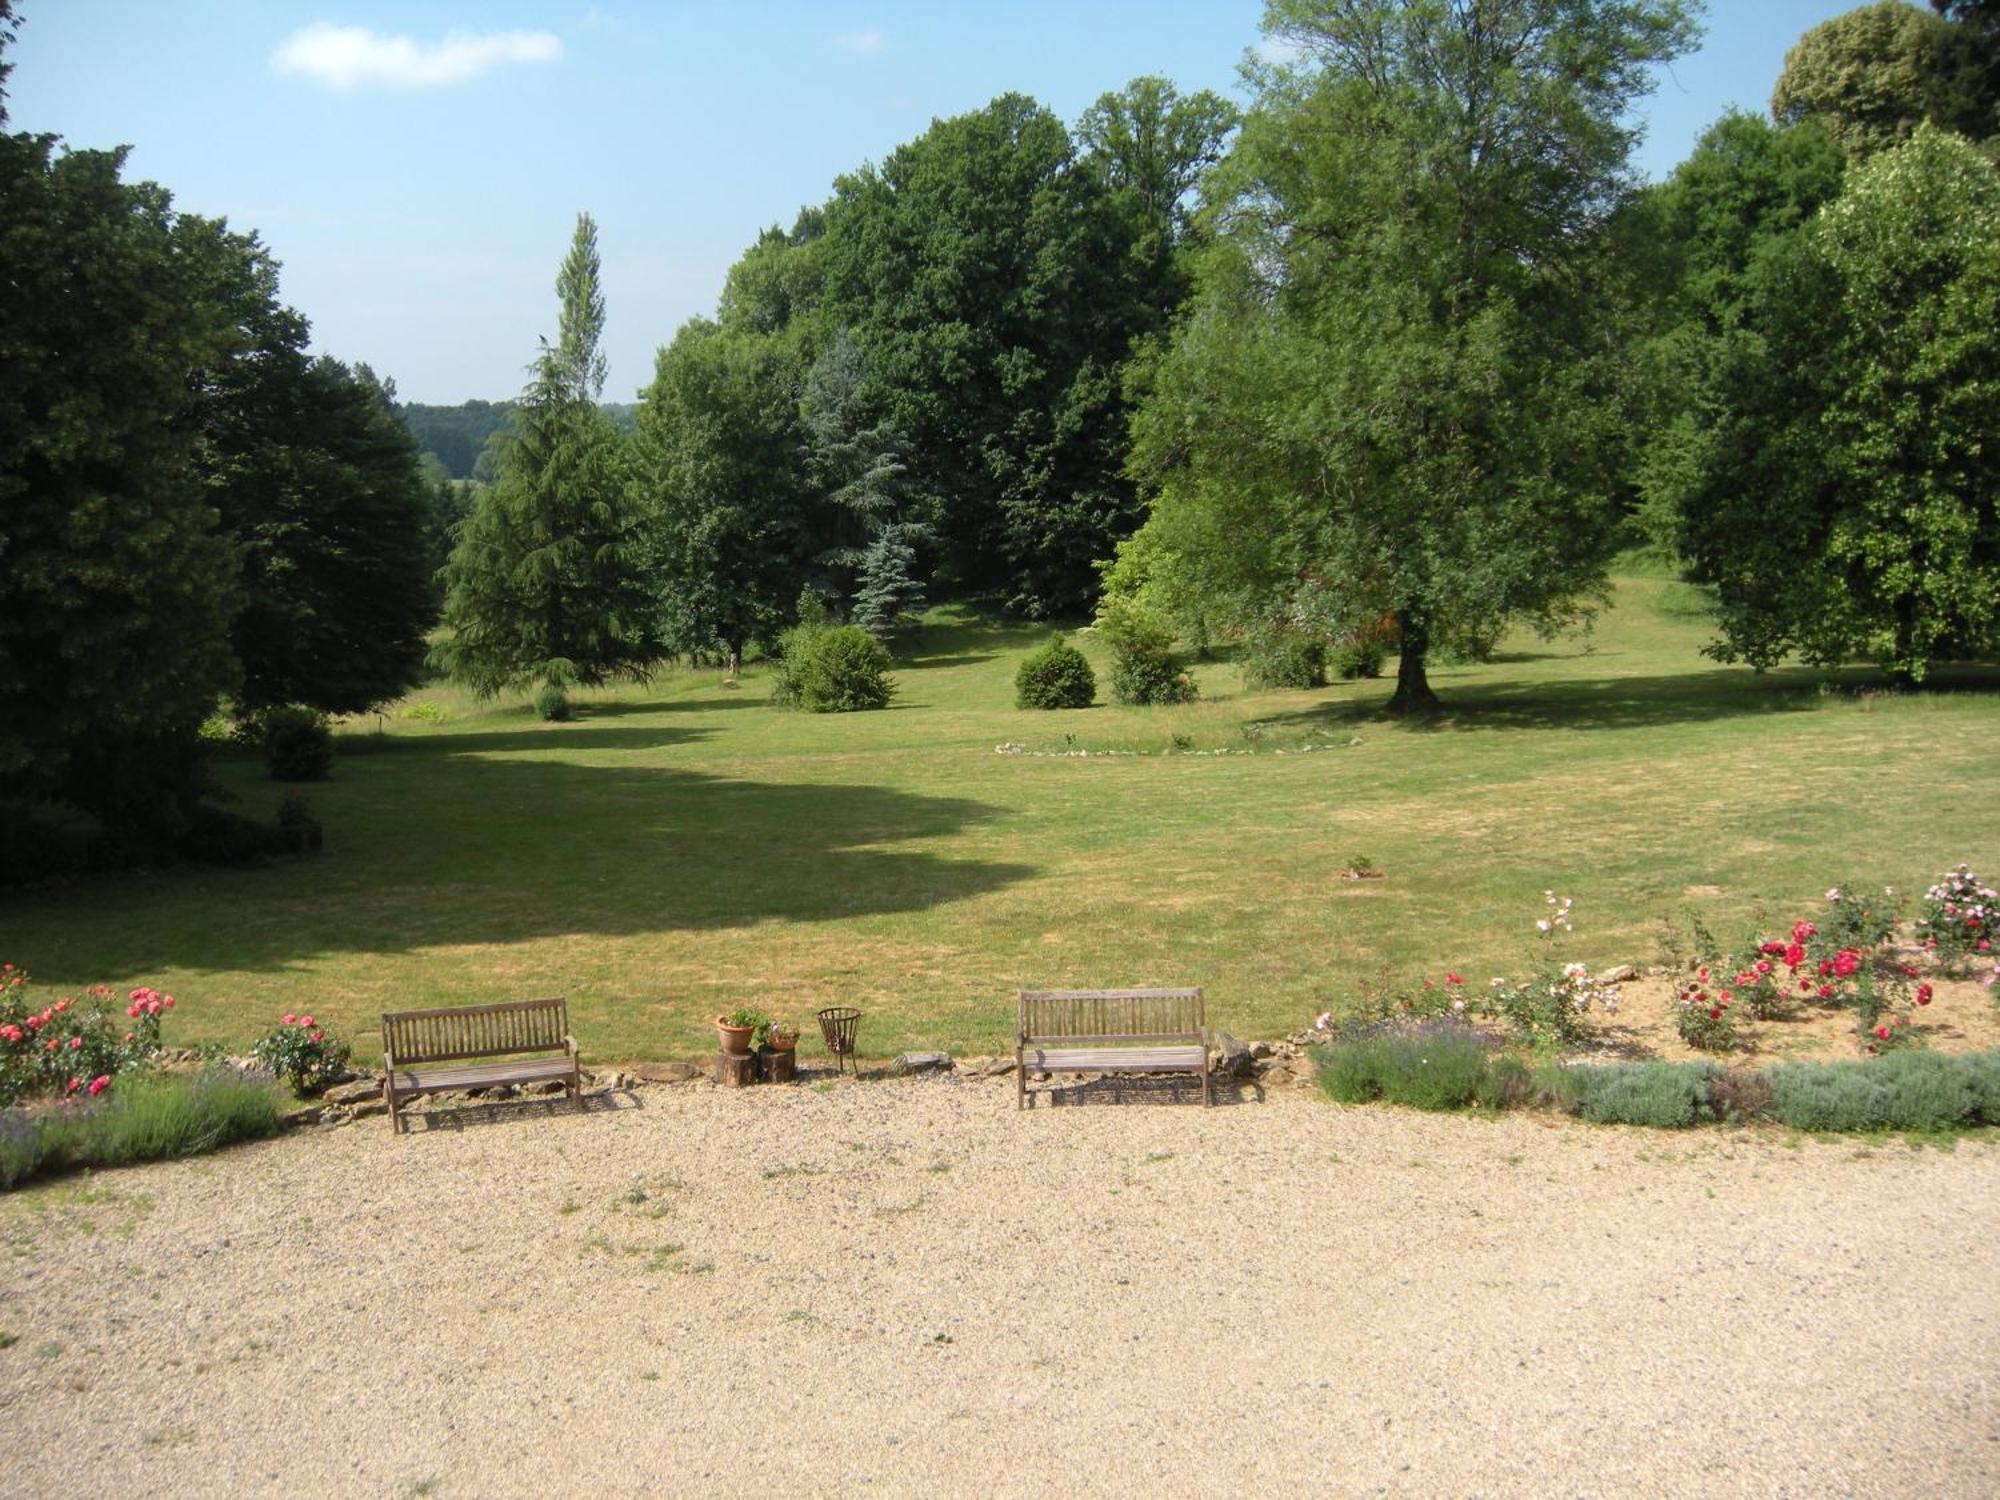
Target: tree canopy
[[1847, 507], [1380, 401]]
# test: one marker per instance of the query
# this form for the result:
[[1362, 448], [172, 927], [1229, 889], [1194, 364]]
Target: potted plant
[[781, 1036], [740, 1030]]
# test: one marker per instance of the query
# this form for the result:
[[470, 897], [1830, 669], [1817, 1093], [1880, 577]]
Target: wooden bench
[[1109, 1031], [457, 1032]]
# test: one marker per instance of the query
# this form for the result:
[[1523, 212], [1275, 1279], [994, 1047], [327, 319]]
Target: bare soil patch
[[1962, 1017]]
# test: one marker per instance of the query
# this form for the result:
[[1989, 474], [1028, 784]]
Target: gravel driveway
[[905, 1287]]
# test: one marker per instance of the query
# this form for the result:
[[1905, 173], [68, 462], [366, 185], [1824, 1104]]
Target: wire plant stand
[[837, 1024]]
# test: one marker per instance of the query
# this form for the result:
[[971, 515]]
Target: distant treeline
[[456, 436]]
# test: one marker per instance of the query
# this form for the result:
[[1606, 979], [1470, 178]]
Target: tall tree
[[545, 583], [1848, 509], [730, 513], [989, 278], [859, 463], [1382, 400], [319, 485], [1705, 235], [1154, 142], [116, 587], [1870, 76]]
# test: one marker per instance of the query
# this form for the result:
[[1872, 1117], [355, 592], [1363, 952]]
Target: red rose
[[1923, 994]]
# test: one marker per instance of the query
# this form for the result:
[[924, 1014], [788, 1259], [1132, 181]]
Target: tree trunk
[[1413, 695], [735, 660]]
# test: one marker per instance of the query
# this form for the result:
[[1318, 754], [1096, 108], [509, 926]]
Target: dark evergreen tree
[[545, 583]]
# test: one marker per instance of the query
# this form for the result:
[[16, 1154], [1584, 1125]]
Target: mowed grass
[[682, 848]]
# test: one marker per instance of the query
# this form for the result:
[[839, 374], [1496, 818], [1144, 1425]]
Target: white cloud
[[349, 57], [867, 43]]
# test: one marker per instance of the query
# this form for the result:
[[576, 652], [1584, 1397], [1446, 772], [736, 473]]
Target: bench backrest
[[412, 1036], [1078, 1015]]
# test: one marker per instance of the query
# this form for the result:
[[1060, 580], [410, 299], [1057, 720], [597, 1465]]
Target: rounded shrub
[[839, 670], [551, 704], [1358, 659], [1283, 660], [297, 744], [1667, 1096], [1057, 676], [1143, 669], [1138, 677]]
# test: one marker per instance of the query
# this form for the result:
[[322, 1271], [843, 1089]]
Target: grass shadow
[[1593, 703], [469, 846]]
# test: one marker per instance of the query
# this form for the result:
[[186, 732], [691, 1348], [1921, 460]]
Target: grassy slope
[[682, 848]]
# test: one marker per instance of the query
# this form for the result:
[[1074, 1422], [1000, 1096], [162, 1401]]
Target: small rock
[[997, 1067], [609, 1078], [1621, 974], [366, 1107], [305, 1114], [1260, 1049], [1232, 1057], [922, 1062], [352, 1093]]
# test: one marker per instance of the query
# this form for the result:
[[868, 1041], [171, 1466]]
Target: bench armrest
[[569, 1044]]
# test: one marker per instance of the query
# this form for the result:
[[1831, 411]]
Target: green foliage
[[733, 526], [454, 435], [547, 565], [1056, 676], [1508, 1083], [116, 590], [551, 704], [993, 281], [1668, 1096], [1429, 1064], [319, 485], [838, 670], [1357, 659], [1283, 659], [1903, 1091], [298, 746], [303, 1053], [1847, 502], [888, 590], [1384, 401], [1870, 76], [145, 1119], [1143, 667]]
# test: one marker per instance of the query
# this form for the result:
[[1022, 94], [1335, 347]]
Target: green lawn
[[682, 848]]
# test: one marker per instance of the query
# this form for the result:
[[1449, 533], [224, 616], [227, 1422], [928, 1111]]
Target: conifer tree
[[544, 584]]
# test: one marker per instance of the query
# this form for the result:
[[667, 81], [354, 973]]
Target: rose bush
[[73, 1045], [303, 1052]]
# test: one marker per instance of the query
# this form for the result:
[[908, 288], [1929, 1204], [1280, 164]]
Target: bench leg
[[1207, 1097], [1020, 1081]]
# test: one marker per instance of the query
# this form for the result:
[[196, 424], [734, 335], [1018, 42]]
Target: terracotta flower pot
[[782, 1043], [735, 1039]]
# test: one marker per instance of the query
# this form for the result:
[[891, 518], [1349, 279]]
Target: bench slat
[[442, 1080], [1115, 1059]]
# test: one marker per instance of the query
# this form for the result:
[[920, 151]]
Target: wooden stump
[[733, 1070], [776, 1066]]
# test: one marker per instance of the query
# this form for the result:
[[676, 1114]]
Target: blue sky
[[417, 166]]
